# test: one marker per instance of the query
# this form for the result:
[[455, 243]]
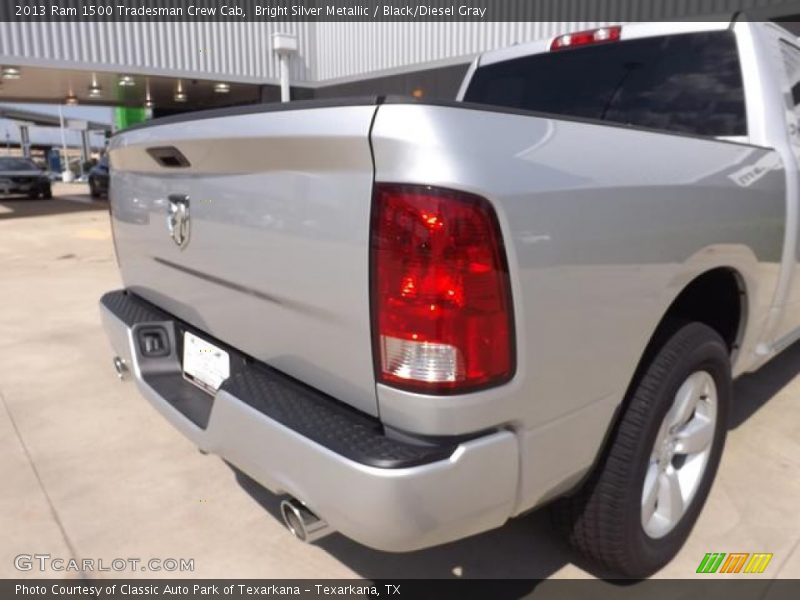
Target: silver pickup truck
[[418, 320]]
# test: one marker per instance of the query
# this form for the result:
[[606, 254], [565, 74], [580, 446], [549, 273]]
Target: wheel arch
[[717, 297], [683, 308]]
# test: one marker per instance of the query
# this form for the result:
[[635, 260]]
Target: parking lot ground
[[91, 471]]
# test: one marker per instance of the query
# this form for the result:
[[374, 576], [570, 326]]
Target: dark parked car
[[98, 178], [23, 176]]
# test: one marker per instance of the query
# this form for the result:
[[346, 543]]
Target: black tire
[[47, 194], [603, 520], [93, 191]]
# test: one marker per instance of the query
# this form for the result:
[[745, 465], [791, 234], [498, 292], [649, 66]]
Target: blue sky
[[50, 135]]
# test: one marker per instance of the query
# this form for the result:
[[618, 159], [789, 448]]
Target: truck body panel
[[606, 219], [276, 261], [778, 56], [597, 254]]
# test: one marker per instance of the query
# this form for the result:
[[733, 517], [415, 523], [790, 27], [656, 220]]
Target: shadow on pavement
[[20, 208], [527, 547], [754, 390], [524, 548]]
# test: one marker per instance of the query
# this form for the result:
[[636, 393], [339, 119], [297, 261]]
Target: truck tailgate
[[274, 260]]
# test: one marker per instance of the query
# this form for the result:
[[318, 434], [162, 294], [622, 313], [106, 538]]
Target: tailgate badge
[[178, 219]]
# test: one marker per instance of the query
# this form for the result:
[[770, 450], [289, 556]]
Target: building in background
[[34, 130], [180, 66]]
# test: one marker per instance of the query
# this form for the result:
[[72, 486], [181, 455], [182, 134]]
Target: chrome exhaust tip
[[302, 523], [121, 368]]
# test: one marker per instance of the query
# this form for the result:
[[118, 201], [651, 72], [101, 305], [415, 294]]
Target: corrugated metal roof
[[241, 51], [233, 51]]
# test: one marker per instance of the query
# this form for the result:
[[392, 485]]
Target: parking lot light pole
[[25, 139], [66, 174], [284, 45]]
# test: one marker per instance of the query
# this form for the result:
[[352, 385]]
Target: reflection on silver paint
[[277, 264], [603, 227], [285, 302]]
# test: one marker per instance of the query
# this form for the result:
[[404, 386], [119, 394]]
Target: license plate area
[[204, 364]]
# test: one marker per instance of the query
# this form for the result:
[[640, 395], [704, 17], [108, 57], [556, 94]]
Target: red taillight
[[584, 38], [441, 302]]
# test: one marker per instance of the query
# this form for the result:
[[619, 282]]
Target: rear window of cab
[[686, 83]]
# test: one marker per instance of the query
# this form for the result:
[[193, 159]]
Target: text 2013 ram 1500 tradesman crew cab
[[420, 319]]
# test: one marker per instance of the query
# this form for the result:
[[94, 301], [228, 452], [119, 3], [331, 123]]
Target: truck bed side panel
[[603, 226]]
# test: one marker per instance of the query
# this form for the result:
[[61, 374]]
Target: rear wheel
[[640, 504], [93, 189]]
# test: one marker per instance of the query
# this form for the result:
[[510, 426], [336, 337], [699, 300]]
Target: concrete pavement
[[90, 471]]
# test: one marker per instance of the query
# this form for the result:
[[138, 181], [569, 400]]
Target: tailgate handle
[[169, 157]]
